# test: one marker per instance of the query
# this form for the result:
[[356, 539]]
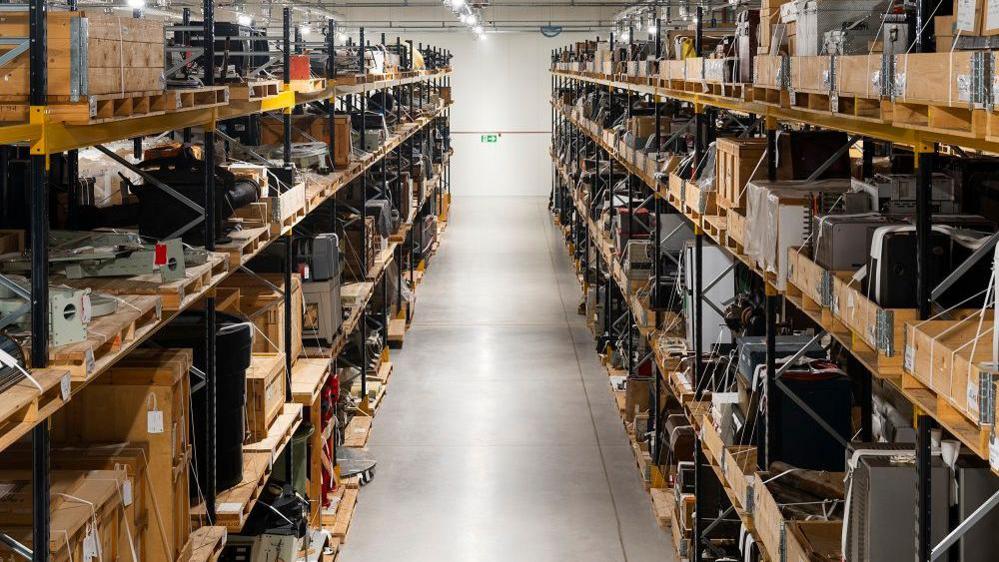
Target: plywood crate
[[951, 358], [813, 541], [265, 393], [694, 69], [859, 76], [700, 201], [808, 279], [676, 188], [677, 69], [767, 516], [127, 460], [711, 439], [265, 307], [877, 329], [736, 160], [115, 55], [144, 382], [736, 227], [738, 463], [83, 504], [811, 74], [933, 78], [767, 71]]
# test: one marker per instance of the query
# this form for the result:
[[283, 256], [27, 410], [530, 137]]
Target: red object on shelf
[[299, 68]]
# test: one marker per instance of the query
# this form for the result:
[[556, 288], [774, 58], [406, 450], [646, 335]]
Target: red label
[[161, 255]]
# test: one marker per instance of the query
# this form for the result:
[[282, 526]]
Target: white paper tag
[[65, 387], [973, 395], [994, 452], [90, 546], [89, 361], [126, 492], [229, 507], [154, 421], [910, 358]]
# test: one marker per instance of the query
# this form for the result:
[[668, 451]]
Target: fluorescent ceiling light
[[244, 19]]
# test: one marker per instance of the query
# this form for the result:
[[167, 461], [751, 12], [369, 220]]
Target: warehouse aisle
[[498, 439]]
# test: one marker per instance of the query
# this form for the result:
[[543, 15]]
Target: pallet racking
[[771, 107], [61, 373]]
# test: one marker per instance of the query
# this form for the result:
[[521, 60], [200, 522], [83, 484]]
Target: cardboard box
[[968, 16]]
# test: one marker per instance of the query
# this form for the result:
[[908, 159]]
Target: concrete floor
[[498, 439]]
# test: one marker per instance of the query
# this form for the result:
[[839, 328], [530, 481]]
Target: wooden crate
[[122, 55], [699, 201], [814, 541], [932, 92], [147, 380], [128, 460], [266, 308], [265, 393], [84, 505], [872, 328], [768, 81], [858, 87], [736, 233], [767, 516], [950, 358], [810, 83], [738, 464], [735, 162]]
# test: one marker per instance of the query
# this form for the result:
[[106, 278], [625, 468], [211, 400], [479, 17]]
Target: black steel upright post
[[924, 514], [210, 316], [186, 21], [699, 31], [771, 391], [924, 269], [364, 233], [38, 89], [331, 102]]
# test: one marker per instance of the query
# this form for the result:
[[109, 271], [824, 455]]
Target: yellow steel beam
[[19, 132], [919, 139], [60, 137]]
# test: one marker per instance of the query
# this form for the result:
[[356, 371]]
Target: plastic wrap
[[777, 218]]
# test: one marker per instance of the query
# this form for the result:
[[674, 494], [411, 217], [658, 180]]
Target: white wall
[[500, 84]]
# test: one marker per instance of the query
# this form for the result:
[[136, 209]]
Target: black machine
[[161, 214], [234, 341]]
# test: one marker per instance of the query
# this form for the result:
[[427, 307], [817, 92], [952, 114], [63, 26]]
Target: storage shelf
[[969, 433], [53, 138], [923, 140]]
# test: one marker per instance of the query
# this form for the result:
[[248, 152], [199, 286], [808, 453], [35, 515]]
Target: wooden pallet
[[340, 524], [960, 121], [94, 109], [206, 544], [309, 86], [197, 98], [244, 244], [108, 338], [357, 432], [22, 406], [974, 436], [280, 432], [234, 505], [870, 109], [174, 295], [810, 100], [775, 97], [254, 90], [396, 332]]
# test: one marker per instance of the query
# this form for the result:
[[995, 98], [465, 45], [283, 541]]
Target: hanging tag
[[910, 358], [89, 545], [994, 452], [89, 361], [126, 492], [154, 421], [65, 386]]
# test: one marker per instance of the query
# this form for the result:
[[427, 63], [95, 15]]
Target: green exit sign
[[489, 138]]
